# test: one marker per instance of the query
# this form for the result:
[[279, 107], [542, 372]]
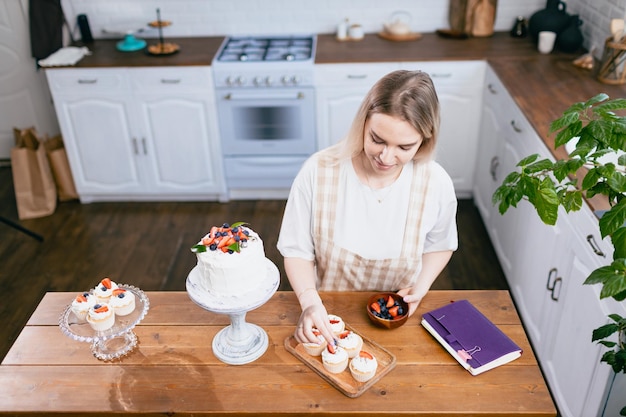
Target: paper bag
[[57, 157], [35, 192]]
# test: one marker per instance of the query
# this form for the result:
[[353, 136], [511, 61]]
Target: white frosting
[[122, 303], [101, 320], [224, 273], [102, 292], [339, 356], [362, 364], [337, 327], [82, 303], [351, 341]]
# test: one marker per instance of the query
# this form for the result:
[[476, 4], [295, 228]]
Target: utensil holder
[[612, 69]]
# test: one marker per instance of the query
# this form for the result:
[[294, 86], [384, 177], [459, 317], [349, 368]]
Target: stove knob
[[258, 81], [240, 81], [285, 80], [230, 81], [268, 81], [295, 80]]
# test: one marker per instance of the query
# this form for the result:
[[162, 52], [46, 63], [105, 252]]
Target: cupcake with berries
[[350, 342], [104, 290], [363, 366], [122, 302], [81, 305], [101, 317], [334, 358], [336, 324], [315, 349]]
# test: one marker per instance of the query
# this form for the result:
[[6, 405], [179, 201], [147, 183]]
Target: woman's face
[[389, 143]]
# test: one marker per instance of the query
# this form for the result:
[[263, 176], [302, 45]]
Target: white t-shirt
[[363, 225]]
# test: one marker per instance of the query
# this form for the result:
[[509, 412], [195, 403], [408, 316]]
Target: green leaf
[[566, 119], [616, 318], [198, 248], [600, 275], [596, 99], [572, 200], [618, 239], [235, 247], [568, 133], [543, 165], [613, 219], [547, 203], [617, 181], [614, 285], [603, 332], [528, 160], [591, 178], [237, 224]]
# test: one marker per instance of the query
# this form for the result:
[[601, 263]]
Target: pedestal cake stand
[[240, 342], [110, 344]]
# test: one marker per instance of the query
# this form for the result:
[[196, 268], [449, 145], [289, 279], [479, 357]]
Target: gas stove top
[[267, 49], [265, 61]]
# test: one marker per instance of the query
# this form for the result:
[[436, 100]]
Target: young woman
[[375, 211]]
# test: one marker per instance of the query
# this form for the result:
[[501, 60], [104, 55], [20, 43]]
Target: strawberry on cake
[[350, 342], [315, 349], [101, 317], [104, 290], [122, 302], [334, 359], [336, 323], [231, 260], [363, 367], [81, 305]]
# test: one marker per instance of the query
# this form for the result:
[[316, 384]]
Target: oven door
[[267, 121]]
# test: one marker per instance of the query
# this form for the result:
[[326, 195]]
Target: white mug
[[356, 32], [546, 42]]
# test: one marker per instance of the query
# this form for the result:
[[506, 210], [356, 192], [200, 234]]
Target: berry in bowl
[[387, 310]]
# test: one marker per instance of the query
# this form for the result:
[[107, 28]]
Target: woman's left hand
[[412, 298]]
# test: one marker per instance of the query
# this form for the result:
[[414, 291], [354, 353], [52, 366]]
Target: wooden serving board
[[344, 381]]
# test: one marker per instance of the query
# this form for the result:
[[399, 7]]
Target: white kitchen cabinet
[[340, 89], [546, 266], [140, 133]]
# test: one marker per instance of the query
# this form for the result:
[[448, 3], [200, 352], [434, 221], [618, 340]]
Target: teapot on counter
[[399, 23]]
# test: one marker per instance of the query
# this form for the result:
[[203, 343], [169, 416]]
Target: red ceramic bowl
[[384, 318]]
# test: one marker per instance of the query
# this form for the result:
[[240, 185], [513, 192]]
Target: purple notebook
[[470, 337]]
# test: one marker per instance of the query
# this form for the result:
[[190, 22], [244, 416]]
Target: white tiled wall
[[237, 17]]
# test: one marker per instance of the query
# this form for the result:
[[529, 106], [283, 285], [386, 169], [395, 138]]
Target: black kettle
[[570, 38], [553, 18]]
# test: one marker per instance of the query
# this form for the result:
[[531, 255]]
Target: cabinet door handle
[[357, 76], [170, 81], [493, 168], [441, 75], [594, 246], [91, 81], [491, 89], [143, 145], [135, 147], [515, 128], [551, 285]]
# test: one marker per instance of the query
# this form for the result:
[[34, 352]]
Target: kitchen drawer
[[451, 72], [349, 75], [87, 80], [262, 172], [169, 78]]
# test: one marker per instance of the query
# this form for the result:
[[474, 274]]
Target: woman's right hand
[[314, 316]]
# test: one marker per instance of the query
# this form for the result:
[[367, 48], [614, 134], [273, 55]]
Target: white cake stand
[[240, 342]]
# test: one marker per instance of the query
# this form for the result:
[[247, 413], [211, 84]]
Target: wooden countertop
[[542, 85], [173, 370]]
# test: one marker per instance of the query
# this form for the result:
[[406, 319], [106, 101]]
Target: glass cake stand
[[240, 342], [110, 344]]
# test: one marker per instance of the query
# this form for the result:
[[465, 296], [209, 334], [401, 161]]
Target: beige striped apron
[[341, 270]]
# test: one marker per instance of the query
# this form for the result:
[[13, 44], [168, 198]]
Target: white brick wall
[[237, 17]]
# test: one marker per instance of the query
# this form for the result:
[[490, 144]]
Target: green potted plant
[[597, 129]]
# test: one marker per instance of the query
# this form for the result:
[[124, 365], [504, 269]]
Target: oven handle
[[274, 95]]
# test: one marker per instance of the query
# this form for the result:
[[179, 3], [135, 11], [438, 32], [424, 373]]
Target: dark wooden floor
[[147, 245]]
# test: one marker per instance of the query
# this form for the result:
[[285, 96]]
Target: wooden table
[[173, 371]]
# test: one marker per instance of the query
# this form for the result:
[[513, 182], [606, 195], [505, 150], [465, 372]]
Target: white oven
[[266, 108]]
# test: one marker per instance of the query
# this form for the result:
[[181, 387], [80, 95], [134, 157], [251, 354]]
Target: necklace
[[377, 196]]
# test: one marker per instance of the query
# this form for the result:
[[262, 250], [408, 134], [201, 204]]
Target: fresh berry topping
[[101, 308], [365, 354], [388, 309], [390, 302], [393, 311], [375, 307], [106, 283], [344, 334], [81, 298], [331, 348], [334, 321]]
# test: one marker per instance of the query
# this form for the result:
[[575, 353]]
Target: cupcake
[[122, 302], [315, 349], [334, 359], [101, 317], [336, 323], [350, 342], [363, 367], [104, 290], [81, 305]]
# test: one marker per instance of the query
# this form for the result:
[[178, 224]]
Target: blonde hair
[[406, 95]]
